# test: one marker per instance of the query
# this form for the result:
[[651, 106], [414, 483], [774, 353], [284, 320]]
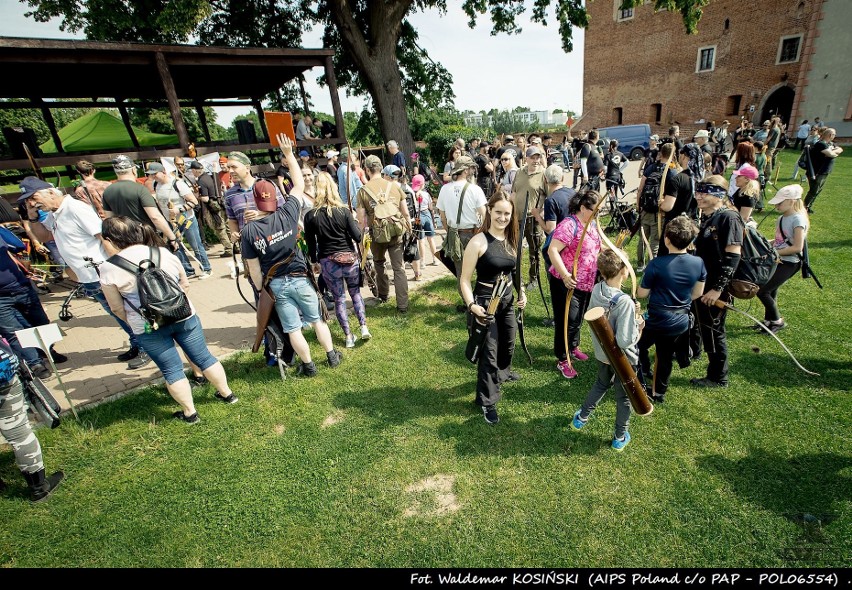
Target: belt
[[677, 311]]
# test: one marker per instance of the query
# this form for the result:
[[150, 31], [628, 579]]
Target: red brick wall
[[650, 59]]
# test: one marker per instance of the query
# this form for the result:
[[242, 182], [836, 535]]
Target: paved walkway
[[92, 339]]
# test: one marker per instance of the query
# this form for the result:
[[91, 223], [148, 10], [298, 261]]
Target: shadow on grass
[[776, 369], [788, 486]]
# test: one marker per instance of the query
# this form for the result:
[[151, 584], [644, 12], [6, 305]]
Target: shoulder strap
[[123, 263], [461, 202], [271, 272], [154, 254]]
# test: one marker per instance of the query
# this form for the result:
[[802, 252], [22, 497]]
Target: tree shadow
[[809, 490]]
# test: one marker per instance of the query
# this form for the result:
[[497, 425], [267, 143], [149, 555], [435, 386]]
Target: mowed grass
[[384, 461]]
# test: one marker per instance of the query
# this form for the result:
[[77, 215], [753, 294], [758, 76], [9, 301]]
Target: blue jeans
[[295, 300], [160, 346], [194, 238], [18, 312], [94, 290]]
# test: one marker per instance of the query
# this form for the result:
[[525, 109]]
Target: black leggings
[[665, 347], [768, 294]]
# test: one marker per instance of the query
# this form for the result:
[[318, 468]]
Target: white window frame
[[698, 69], [617, 13], [778, 61]]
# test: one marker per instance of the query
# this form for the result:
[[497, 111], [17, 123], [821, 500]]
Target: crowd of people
[[131, 245]]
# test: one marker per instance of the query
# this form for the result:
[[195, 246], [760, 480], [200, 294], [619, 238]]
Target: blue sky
[[488, 72]]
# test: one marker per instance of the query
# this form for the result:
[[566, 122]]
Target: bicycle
[[78, 292]]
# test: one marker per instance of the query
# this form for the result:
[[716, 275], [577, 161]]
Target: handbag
[[452, 247], [410, 247]]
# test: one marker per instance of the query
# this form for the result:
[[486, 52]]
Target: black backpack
[[649, 199], [161, 300], [758, 261]]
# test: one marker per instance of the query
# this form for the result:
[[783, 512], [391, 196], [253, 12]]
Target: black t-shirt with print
[[273, 238], [613, 161], [722, 229]]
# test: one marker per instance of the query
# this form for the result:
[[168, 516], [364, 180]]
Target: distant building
[[544, 118], [752, 59]]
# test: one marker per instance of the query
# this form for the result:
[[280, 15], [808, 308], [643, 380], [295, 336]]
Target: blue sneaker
[[619, 443], [577, 423]]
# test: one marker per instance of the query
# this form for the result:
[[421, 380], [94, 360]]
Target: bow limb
[[622, 256], [645, 241], [724, 304], [518, 281], [662, 194], [574, 268]]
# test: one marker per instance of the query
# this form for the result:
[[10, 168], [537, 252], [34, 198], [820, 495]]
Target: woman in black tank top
[[492, 253]]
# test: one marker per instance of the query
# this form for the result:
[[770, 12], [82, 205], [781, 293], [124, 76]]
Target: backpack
[[649, 199], [387, 221], [758, 261], [161, 300]]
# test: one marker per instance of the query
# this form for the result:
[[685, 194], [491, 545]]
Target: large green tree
[[376, 46]]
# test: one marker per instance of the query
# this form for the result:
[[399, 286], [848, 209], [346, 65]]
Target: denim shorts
[[160, 346], [426, 227], [295, 300]]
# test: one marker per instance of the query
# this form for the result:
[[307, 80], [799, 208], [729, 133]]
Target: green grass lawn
[[384, 461]]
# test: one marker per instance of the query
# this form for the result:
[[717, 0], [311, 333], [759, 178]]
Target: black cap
[[196, 165]]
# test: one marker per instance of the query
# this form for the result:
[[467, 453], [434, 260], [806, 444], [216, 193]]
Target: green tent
[[100, 130]]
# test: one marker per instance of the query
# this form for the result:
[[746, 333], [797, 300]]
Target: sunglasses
[[505, 159]]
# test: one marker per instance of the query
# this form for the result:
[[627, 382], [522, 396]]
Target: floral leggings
[[340, 278]]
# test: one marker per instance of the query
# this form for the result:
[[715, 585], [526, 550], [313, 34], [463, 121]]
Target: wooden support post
[[171, 96], [279, 100], [202, 118], [122, 110], [335, 98], [263, 129], [51, 125], [304, 94]]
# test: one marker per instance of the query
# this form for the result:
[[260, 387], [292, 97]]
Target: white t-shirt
[[76, 226], [125, 281], [448, 202], [166, 193]]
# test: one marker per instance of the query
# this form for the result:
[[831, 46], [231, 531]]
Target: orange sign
[[276, 123]]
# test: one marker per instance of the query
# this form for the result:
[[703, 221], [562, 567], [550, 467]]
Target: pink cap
[[748, 171], [418, 182]]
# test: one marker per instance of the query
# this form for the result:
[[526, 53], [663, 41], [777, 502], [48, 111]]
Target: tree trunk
[[384, 82], [377, 62]]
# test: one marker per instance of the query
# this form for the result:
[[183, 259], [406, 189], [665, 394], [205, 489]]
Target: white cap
[[331, 153]]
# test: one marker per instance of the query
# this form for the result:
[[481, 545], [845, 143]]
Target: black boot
[[41, 486]]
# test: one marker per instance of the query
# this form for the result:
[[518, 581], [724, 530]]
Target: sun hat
[[790, 192]]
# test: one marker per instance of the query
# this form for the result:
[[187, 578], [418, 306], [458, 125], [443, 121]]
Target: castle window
[[706, 61], [789, 49]]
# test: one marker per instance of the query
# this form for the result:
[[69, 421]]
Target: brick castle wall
[[650, 59]]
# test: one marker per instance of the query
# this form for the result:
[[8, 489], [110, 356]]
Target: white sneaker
[[205, 275], [350, 341], [365, 333]]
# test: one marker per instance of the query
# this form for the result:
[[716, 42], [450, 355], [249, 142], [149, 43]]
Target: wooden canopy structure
[[154, 76]]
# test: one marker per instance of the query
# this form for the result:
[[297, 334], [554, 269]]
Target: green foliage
[[509, 122], [160, 121], [366, 131], [439, 140], [424, 121], [149, 21]]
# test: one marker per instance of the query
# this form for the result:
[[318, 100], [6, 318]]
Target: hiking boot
[[513, 376], [350, 341], [657, 398], [231, 399], [566, 369], [619, 443], [225, 254], [307, 369], [41, 370], [548, 323], [365, 333], [707, 383], [140, 361], [758, 328], [40, 486], [490, 414], [579, 354], [576, 422], [334, 357], [129, 355], [194, 419]]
